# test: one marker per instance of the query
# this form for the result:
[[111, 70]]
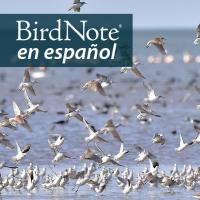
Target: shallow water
[[53, 91]]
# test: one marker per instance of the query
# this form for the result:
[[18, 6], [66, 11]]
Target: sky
[[147, 14]]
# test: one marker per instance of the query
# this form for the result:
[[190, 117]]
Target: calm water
[[171, 81]]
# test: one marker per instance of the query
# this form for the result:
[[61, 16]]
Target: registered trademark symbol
[[120, 25]]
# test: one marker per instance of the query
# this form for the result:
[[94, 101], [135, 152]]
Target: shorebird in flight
[[158, 139], [121, 154], [76, 7], [157, 42], [144, 111], [95, 86], [93, 133], [27, 83], [90, 155], [106, 158], [6, 142], [58, 156], [134, 69], [20, 118], [143, 154], [73, 112], [55, 140], [7, 123], [104, 80], [109, 127], [197, 40], [152, 97], [182, 144], [32, 108], [21, 153]]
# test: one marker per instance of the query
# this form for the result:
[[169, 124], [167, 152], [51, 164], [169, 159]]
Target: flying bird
[[143, 154], [152, 97], [32, 108], [95, 86], [197, 40], [21, 153], [55, 140], [182, 144], [93, 133], [89, 154], [197, 139], [106, 158], [134, 69], [73, 112], [158, 139], [158, 42], [104, 80], [20, 118], [6, 142], [27, 83], [145, 111], [76, 7], [109, 127]]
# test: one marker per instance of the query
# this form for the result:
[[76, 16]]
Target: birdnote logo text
[[60, 40], [27, 31]]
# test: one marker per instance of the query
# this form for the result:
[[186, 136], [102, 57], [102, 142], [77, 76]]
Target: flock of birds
[[97, 174]]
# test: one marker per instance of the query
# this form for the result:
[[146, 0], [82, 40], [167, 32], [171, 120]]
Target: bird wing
[[161, 49], [27, 126], [76, 1], [69, 107], [54, 136], [31, 90], [27, 99], [138, 148], [115, 134], [101, 77], [88, 154], [197, 129], [16, 109], [88, 126], [154, 114], [2, 135], [181, 140], [99, 149], [100, 139], [26, 148], [140, 109], [151, 156], [96, 158], [136, 71], [79, 117], [18, 148], [100, 89], [198, 31], [121, 147], [26, 77], [7, 143]]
